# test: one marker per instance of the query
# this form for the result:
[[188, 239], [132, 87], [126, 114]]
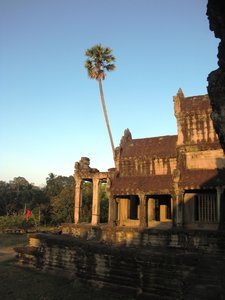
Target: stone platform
[[161, 265], [145, 237]]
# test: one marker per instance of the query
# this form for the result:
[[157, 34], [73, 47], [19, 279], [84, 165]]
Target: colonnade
[[96, 179], [146, 206]]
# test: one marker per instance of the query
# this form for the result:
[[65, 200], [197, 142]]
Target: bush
[[17, 222]]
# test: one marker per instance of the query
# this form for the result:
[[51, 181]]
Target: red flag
[[28, 213]]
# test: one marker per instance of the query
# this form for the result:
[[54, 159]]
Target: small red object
[[28, 213]]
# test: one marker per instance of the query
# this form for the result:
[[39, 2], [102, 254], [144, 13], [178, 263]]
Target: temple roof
[[159, 184], [162, 184], [164, 146]]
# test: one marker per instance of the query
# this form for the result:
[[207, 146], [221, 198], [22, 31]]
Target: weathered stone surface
[[207, 241], [216, 79], [144, 189], [178, 270]]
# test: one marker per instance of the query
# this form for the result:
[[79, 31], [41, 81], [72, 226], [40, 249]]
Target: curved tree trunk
[[106, 116]]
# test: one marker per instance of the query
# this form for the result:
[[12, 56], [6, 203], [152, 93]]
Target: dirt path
[[7, 253]]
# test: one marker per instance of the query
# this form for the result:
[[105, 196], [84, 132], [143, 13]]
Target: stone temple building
[[167, 181], [171, 183]]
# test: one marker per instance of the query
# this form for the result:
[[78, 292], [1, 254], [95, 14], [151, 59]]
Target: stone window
[[205, 208]]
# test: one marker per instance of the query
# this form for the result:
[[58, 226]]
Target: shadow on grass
[[25, 284], [21, 284]]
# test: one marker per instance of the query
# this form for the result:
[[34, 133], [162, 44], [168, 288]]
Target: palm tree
[[100, 60]]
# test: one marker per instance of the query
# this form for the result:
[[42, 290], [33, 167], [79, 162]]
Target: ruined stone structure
[[216, 79], [175, 183], [83, 172], [187, 265], [164, 182]]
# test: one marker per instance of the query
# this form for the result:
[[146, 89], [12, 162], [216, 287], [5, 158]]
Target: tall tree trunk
[[106, 116]]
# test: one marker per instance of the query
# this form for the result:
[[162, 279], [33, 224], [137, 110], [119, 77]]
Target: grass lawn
[[18, 283], [11, 240]]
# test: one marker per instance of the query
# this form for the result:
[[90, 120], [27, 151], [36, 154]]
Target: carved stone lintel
[[83, 167]]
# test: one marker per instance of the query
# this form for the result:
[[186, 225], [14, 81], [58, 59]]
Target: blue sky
[[51, 113]]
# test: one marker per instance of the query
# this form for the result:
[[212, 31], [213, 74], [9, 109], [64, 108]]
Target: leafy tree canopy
[[100, 59]]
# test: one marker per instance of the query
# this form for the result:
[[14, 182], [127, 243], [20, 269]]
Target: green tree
[[104, 204], [63, 206], [19, 194], [20, 182], [86, 210], [6, 196], [15, 197], [60, 191], [99, 61], [53, 185]]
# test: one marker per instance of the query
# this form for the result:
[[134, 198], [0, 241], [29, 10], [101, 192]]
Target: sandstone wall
[[178, 271], [147, 166], [209, 160]]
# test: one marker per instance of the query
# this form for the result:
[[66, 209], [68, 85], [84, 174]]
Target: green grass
[[11, 240]]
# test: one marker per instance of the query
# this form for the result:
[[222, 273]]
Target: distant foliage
[[60, 190], [86, 209], [51, 205], [17, 222], [19, 194], [104, 204]]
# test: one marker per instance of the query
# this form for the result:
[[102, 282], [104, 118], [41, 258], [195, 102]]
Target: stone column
[[151, 209], [174, 209], [143, 221], [179, 198], [112, 211], [77, 199], [95, 203]]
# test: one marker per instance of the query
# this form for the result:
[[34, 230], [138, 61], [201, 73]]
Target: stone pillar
[[174, 209], [77, 199], [112, 211], [143, 221], [95, 203], [179, 198], [151, 209]]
